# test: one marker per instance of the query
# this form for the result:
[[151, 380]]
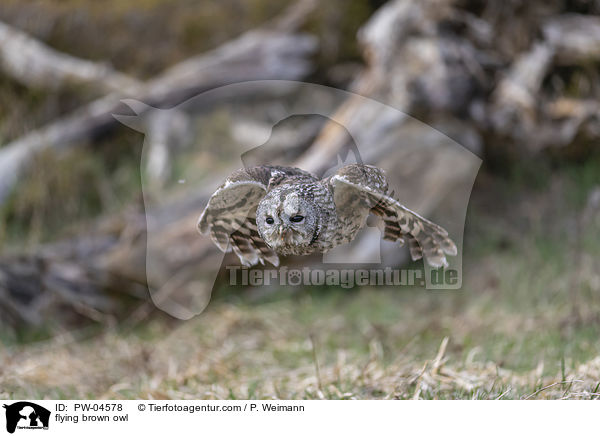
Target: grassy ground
[[525, 325]]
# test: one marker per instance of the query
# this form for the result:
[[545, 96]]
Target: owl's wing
[[367, 186], [230, 216]]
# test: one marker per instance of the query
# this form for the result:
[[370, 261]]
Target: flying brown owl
[[266, 211]]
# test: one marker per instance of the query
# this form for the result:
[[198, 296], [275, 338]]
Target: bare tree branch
[[34, 64], [257, 54]]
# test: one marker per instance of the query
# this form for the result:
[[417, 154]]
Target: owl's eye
[[269, 220], [296, 218]]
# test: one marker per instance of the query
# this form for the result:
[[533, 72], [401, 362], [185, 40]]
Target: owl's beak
[[284, 233]]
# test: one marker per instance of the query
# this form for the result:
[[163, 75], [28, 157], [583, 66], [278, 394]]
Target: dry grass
[[233, 352], [515, 331]]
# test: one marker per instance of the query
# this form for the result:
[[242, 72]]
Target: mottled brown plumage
[[264, 211]]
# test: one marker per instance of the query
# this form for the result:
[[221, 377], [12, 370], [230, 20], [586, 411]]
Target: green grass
[[61, 192], [369, 343], [526, 318], [525, 324]]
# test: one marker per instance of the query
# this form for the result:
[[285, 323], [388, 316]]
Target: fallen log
[[267, 53], [162, 248], [574, 37], [34, 64], [457, 78]]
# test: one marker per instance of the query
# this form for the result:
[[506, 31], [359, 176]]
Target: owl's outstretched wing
[[230, 216], [365, 186]]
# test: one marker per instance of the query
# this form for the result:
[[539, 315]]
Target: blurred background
[[515, 82]]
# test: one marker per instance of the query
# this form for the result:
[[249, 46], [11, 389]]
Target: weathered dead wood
[[432, 59], [34, 64], [266, 53], [574, 37], [502, 72], [417, 158]]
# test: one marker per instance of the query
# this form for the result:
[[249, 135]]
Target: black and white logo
[[26, 415]]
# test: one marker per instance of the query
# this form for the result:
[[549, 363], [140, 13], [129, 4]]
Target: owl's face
[[286, 220]]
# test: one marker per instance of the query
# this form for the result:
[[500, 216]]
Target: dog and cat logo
[[26, 415]]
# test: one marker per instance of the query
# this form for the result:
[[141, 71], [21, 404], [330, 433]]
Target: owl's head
[[287, 220]]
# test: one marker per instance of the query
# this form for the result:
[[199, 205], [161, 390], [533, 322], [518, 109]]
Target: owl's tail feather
[[428, 240], [391, 228], [425, 238], [250, 248], [416, 252], [242, 246], [221, 230], [240, 235]]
